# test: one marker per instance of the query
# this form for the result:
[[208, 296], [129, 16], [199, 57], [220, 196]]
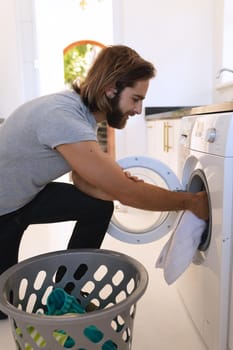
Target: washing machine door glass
[[141, 226]]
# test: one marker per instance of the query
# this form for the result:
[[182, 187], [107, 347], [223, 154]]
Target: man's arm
[[93, 191], [101, 172], [89, 189]]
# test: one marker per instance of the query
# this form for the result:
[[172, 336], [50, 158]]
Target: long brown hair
[[115, 66]]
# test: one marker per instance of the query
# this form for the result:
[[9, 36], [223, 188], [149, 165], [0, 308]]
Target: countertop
[[177, 112]]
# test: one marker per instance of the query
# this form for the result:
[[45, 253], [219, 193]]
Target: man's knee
[[109, 207]]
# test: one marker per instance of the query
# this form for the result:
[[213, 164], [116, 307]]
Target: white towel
[[180, 249]]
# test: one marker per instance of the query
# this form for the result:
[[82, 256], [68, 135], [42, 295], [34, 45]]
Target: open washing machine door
[[138, 226]]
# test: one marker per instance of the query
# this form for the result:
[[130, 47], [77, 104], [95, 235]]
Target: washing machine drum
[[197, 182], [141, 226]]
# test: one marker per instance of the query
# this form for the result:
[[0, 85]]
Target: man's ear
[[111, 92]]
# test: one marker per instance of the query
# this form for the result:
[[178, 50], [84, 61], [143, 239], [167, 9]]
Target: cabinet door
[[163, 141], [155, 138]]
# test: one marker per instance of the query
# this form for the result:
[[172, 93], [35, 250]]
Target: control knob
[[211, 135]]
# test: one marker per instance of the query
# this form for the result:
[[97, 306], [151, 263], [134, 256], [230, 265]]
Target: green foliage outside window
[[77, 62]]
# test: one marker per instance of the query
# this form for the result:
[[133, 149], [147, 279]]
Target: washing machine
[[206, 163], [205, 287]]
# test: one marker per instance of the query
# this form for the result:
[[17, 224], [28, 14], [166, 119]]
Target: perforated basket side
[[107, 282]]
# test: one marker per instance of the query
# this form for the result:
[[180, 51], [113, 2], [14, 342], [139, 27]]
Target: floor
[[161, 321]]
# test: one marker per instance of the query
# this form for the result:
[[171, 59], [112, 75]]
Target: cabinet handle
[[165, 137], [166, 145]]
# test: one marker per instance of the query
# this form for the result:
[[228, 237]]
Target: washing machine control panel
[[212, 133]]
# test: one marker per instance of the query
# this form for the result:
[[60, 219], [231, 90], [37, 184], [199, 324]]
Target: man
[[52, 135]]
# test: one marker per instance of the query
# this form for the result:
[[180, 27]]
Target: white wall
[[19, 74], [10, 83], [223, 88], [177, 36]]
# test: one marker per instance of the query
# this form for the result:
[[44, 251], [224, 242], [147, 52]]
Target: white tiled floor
[[161, 321]]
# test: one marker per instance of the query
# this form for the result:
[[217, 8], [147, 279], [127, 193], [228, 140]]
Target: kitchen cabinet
[[163, 140]]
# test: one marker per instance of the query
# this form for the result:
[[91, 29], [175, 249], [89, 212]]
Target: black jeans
[[57, 202]]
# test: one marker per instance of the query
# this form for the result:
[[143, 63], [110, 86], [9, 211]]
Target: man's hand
[[201, 205], [132, 177]]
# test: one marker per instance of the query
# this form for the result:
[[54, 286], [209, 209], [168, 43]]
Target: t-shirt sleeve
[[61, 127]]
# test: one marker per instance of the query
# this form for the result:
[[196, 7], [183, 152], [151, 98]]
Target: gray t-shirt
[[28, 158]]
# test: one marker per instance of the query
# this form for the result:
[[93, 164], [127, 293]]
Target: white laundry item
[[180, 249]]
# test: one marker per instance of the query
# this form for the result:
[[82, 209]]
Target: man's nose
[[138, 108]]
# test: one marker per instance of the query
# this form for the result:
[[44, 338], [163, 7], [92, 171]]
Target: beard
[[116, 119]]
